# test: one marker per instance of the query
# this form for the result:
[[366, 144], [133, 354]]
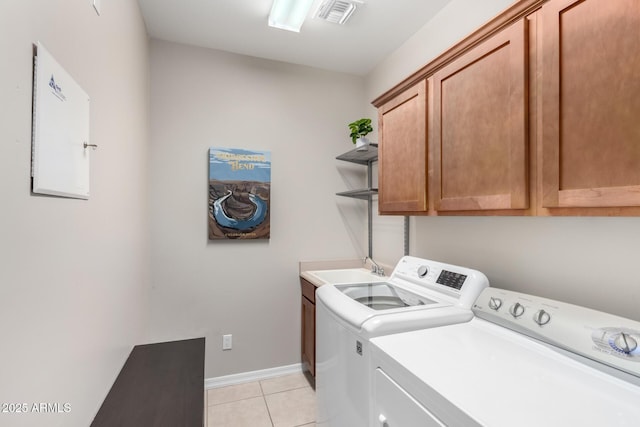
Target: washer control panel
[[599, 336], [461, 283]]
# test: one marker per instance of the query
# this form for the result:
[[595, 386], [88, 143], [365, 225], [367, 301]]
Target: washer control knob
[[423, 270], [516, 310], [541, 317], [625, 343], [495, 303]]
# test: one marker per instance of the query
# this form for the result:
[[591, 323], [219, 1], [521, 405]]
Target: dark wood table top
[[160, 385]]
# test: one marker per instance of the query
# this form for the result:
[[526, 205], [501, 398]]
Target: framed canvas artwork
[[239, 194]]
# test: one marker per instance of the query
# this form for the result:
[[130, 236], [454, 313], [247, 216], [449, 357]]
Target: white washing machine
[[419, 294], [522, 361]]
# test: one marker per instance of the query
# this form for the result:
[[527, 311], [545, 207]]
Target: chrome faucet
[[375, 268]]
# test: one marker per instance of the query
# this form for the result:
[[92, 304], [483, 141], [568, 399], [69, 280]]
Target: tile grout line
[[264, 398], [284, 391], [234, 401], [206, 409]]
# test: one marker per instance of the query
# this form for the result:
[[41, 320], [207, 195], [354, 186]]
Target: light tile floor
[[285, 401]]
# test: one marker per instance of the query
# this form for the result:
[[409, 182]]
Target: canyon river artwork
[[239, 194]]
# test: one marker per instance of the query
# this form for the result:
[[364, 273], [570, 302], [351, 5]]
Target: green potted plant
[[359, 129]]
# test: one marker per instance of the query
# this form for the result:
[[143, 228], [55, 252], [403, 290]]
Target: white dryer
[[522, 361], [419, 294]]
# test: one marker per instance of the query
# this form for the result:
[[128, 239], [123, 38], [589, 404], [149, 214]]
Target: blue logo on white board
[[57, 90]]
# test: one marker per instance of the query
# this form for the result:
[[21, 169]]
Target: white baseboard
[[246, 377]]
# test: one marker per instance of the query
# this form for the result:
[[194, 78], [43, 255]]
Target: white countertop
[[306, 266]]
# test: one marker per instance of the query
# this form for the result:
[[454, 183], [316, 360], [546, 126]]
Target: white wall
[[73, 274], [585, 261], [205, 98], [454, 22]]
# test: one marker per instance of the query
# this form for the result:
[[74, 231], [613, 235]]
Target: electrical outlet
[[227, 342]]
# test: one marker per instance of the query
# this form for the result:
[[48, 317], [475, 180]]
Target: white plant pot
[[362, 144]]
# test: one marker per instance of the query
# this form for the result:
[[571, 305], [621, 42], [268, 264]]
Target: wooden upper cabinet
[[479, 126], [590, 92], [402, 152]]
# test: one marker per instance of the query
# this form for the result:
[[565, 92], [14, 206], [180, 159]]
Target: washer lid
[[389, 314], [383, 295]]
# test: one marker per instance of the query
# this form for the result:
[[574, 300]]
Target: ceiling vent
[[337, 11]]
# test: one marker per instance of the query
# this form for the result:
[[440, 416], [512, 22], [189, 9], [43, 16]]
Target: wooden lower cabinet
[[590, 103], [308, 329]]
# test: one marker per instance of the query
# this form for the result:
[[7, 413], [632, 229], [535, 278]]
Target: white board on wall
[[60, 158]]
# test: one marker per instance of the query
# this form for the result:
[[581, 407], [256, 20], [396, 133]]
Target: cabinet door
[[590, 103], [479, 131], [309, 335], [402, 153]]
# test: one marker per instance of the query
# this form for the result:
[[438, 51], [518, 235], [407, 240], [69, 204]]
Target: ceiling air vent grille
[[336, 11]]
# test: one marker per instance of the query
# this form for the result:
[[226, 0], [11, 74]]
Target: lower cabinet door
[[394, 407], [309, 335]]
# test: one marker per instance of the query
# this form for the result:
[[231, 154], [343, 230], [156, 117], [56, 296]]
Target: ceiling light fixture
[[289, 14]]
